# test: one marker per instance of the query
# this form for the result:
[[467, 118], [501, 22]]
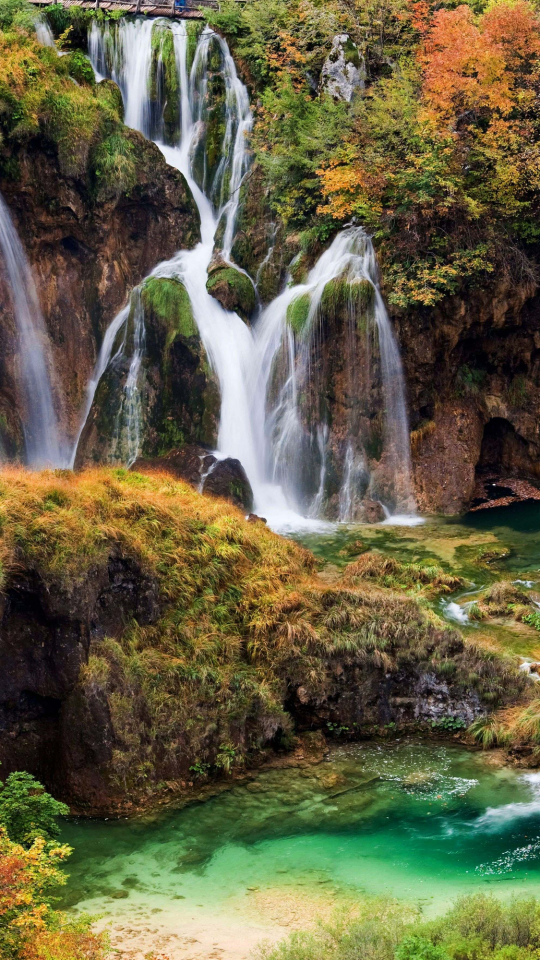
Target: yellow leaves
[[348, 185]]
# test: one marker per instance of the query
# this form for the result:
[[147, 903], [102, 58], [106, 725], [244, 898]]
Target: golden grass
[[244, 616]]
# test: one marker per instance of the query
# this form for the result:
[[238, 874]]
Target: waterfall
[[127, 438], [44, 33], [43, 441], [351, 260], [264, 372]]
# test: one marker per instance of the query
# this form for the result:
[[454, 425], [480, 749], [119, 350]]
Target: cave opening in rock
[[504, 452], [506, 464]]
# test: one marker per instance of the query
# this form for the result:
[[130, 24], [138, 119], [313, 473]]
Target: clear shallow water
[[423, 822]]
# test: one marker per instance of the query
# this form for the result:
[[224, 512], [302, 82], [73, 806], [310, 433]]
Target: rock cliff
[[88, 248], [472, 367]]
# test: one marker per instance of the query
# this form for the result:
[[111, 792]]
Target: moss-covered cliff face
[[155, 636], [94, 203], [208, 170], [177, 394]]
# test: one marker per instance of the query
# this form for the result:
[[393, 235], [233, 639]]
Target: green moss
[[109, 93], [298, 312], [164, 80], [115, 165], [194, 29], [341, 294], [233, 289], [169, 301], [299, 269], [80, 68]]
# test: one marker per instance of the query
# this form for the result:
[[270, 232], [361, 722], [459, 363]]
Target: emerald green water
[[423, 822], [453, 541]]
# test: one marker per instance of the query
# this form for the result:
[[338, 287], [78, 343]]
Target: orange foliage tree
[[29, 928], [446, 152]]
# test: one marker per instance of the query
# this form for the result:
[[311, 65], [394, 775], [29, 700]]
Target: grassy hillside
[[242, 621]]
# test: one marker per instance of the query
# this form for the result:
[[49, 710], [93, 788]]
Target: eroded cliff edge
[[154, 637]]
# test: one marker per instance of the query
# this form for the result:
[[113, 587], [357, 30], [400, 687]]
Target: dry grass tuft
[[244, 617]]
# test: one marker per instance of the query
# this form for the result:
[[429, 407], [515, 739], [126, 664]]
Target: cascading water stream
[[43, 440], [266, 442]]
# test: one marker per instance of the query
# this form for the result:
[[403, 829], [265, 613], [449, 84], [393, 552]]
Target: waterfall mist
[[45, 446], [270, 418]]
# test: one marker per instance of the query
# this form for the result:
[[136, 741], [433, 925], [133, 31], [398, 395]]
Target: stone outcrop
[[216, 478], [228, 479], [344, 71], [472, 366], [179, 394], [87, 251], [48, 722]]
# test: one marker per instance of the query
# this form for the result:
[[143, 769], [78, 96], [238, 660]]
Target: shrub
[[27, 811]]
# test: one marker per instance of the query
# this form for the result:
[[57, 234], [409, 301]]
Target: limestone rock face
[[472, 367], [344, 71], [87, 251]]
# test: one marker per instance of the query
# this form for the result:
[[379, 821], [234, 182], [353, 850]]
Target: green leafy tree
[[27, 811]]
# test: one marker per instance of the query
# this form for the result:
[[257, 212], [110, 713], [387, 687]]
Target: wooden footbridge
[[181, 9]]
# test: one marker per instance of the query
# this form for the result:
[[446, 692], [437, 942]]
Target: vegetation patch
[[169, 301], [243, 622], [438, 157], [478, 926], [298, 313]]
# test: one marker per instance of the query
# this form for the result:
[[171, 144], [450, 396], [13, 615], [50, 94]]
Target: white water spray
[[44, 444], [267, 442]]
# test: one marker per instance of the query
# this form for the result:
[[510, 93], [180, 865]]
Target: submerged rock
[[344, 70], [229, 480]]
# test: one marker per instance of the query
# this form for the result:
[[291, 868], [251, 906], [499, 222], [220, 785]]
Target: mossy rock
[[340, 294], [80, 68], [233, 290], [194, 29], [164, 86], [168, 300], [298, 313], [207, 155], [185, 398], [299, 268], [110, 94]]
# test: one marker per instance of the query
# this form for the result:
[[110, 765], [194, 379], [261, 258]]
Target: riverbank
[[157, 638], [423, 823]]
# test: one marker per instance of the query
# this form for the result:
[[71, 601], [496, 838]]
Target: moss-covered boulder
[[184, 399], [298, 313], [232, 288]]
